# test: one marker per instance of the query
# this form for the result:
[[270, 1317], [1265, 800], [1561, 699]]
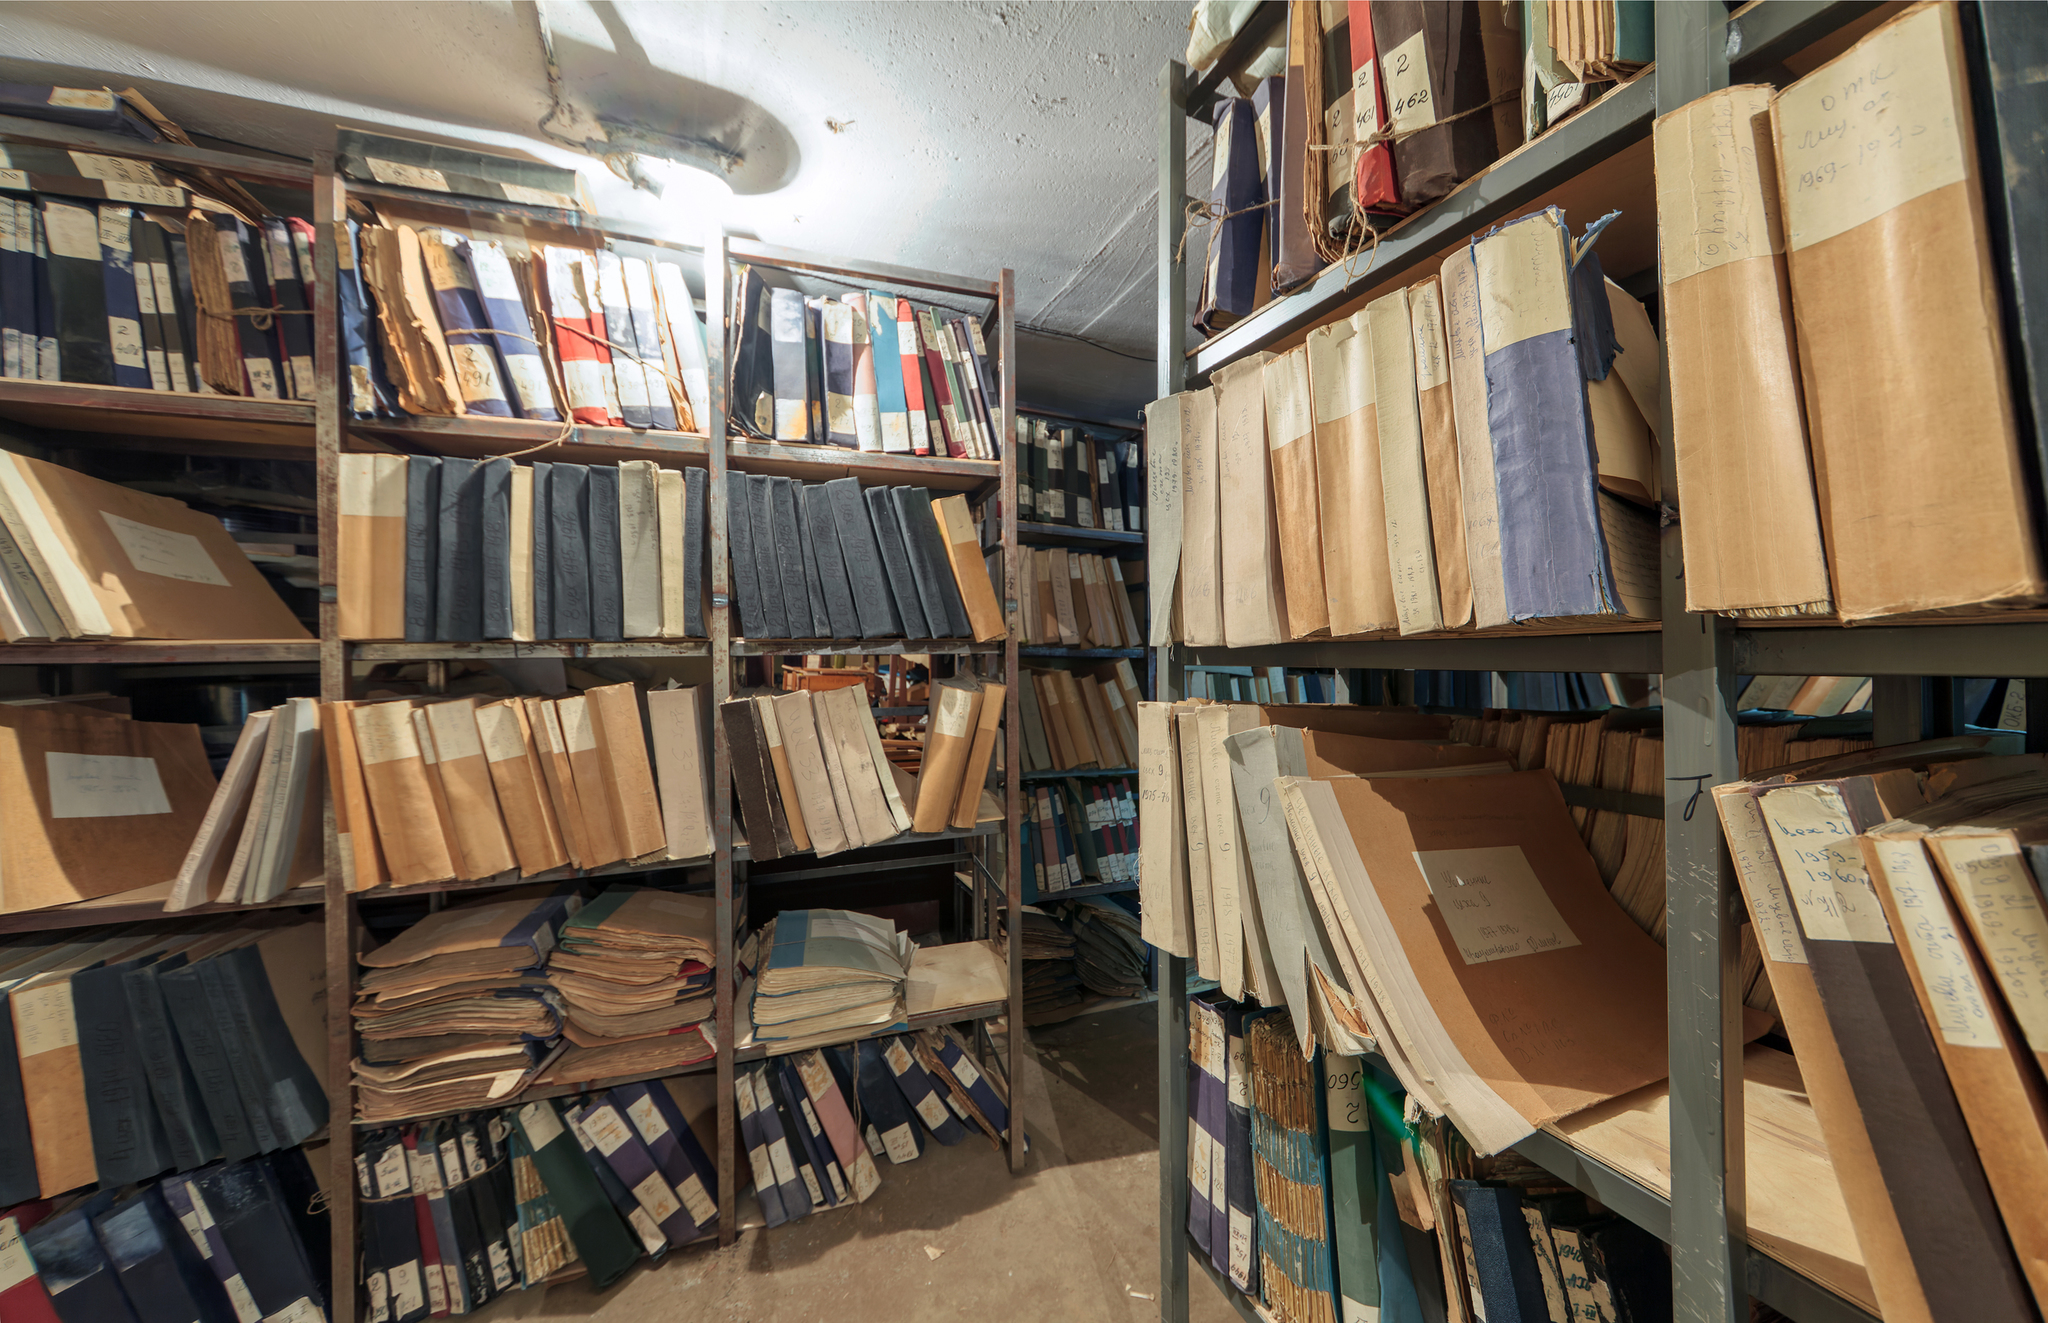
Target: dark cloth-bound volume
[[752, 779], [125, 340], [767, 564], [495, 502], [569, 550], [297, 1102], [814, 579], [814, 371], [543, 554], [128, 1142], [739, 537], [1433, 59], [249, 291], [931, 570], [696, 531], [186, 1125], [262, 1237], [753, 365], [602, 1241], [607, 591], [832, 575], [200, 1037], [160, 1270], [422, 547], [77, 292], [786, 536], [1230, 272], [459, 596], [288, 293], [369, 395], [871, 596], [895, 563], [1503, 1258], [82, 1283]]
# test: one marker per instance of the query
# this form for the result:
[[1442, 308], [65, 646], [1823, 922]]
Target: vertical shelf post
[[1709, 1233], [1013, 879], [330, 419], [724, 1011], [1171, 971]]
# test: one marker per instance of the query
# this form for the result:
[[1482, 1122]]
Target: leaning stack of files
[[1080, 717], [1110, 953], [81, 558], [441, 549], [1336, 907], [1068, 477], [1078, 600], [1078, 833], [1574, 51], [1785, 439], [1896, 893], [468, 788], [241, 1239], [866, 371], [141, 1052], [1473, 451], [459, 1212], [826, 975], [835, 560], [150, 296], [810, 771], [263, 832], [457, 1011], [1052, 988], [1805, 695], [444, 323], [632, 972]]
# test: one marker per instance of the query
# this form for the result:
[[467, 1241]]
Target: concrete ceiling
[[959, 137]]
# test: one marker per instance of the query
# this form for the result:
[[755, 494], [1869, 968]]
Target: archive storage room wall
[[323, 430], [1597, 160]]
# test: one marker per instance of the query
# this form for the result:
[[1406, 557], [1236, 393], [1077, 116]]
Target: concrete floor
[[1073, 1237]]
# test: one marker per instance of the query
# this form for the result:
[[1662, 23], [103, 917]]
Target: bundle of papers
[[822, 973], [633, 974], [258, 837], [452, 1011], [1110, 952]]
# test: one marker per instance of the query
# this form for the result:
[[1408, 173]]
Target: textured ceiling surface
[[961, 137]]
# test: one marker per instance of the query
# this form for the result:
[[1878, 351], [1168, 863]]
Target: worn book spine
[[836, 320], [1459, 284], [494, 509], [458, 593], [529, 816], [544, 727], [637, 279], [629, 358], [479, 370], [1433, 60], [1403, 475], [746, 579], [629, 776], [607, 578], [787, 539], [696, 535], [395, 778], [786, 332], [569, 550], [785, 779], [1440, 451], [895, 562], [503, 306], [752, 779], [670, 499], [587, 772], [767, 559], [1296, 506], [437, 797], [1252, 586], [583, 367], [640, 548]]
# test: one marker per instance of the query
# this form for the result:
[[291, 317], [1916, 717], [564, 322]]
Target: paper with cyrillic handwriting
[[103, 786], [1493, 903]]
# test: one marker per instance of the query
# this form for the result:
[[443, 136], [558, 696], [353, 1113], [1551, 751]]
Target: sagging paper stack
[[828, 974], [634, 972]]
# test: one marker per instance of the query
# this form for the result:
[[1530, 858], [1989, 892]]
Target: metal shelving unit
[[322, 430], [1714, 1271]]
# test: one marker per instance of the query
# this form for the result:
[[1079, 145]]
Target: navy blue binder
[[422, 547], [124, 308], [607, 589], [458, 596], [82, 1284], [128, 1141]]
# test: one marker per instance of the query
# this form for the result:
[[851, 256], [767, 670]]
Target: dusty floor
[[1073, 1237]]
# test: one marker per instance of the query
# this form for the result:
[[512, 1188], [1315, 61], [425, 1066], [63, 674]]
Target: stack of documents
[[633, 973], [827, 974], [452, 1011]]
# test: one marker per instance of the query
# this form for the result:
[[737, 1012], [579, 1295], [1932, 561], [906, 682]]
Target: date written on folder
[[1492, 903]]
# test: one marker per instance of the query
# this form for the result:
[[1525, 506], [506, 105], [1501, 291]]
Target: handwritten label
[[1522, 290], [1471, 1263], [577, 736], [1287, 399], [1410, 103], [529, 378], [1365, 101], [43, 1021], [933, 1112], [656, 1197], [15, 179], [647, 1118], [406, 176], [1339, 370], [1240, 1246], [1493, 903], [1928, 931], [124, 337], [164, 552], [501, 735], [541, 1124], [1816, 848], [81, 98], [384, 732], [1344, 1092], [71, 231], [537, 197], [87, 785], [1561, 100], [956, 708], [406, 1292], [391, 1176], [1717, 194], [604, 1127], [1763, 885], [901, 1143], [696, 1200], [1426, 321], [2003, 907]]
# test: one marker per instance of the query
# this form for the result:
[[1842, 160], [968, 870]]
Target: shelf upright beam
[[725, 985], [1709, 1233], [1013, 752], [1171, 971], [330, 420]]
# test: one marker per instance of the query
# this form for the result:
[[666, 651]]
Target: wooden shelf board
[[143, 903], [1062, 650], [822, 463], [1093, 889], [126, 411], [860, 647], [478, 436], [1061, 773], [1062, 536], [741, 850], [624, 868], [154, 652], [381, 652]]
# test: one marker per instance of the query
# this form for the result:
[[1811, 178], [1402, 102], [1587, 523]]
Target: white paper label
[[16, 179], [656, 1197], [124, 337], [529, 378], [406, 176], [1409, 102], [81, 98], [499, 730], [390, 1173], [162, 551], [407, 1295], [964, 1071], [1426, 320], [244, 1304], [1365, 101], [231, 258], [1816, 848], [1756, 865], [2004, 910], [537, 197], [1236, 1068], [932, 1110], [816, 1191], [91, 165], [146, 195], [647, 1118], [696, 1201], [455, 733], [577, 736], [901, 1143], [1202, 1176], [437, 1290], [1492, 903], [605, 1128], [1240, 1245], [501, 1266], [426, 1172], [71, 231], [301, 1310], [898, 1057], [84, 785], [1561, 100], [16, 1266], [1928, 931], [543, 1127]]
